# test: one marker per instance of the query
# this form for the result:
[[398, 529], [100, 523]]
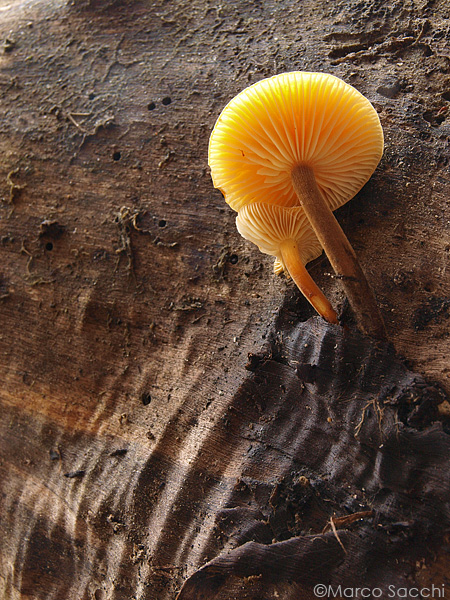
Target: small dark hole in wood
[[162, 223], [151, 106], [8, 46], [49, 246], [146, 398], [117, 155], [119, 452], [75, 474], [166, 101], [233, 259]]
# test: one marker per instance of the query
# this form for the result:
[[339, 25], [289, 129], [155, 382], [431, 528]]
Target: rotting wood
[[79, 354]]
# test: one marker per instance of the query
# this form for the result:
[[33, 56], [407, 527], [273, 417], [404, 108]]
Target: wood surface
[[130, 306]]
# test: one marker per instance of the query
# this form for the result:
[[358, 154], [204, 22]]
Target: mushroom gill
[[297, 118], [285, 233]]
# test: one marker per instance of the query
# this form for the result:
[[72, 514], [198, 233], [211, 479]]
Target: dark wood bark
[[130, 308]]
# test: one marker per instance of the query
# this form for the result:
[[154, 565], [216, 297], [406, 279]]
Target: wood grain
[[130, 304]]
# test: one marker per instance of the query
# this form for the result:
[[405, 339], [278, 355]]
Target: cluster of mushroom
[[285, 153]]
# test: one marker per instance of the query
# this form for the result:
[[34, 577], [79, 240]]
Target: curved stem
[[339, 251], [304, 282]]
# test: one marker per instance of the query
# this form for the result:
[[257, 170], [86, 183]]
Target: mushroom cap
[[269, 225], [279, 267], [294, 118]]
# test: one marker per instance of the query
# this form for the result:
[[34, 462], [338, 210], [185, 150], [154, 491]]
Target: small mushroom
[[286, 234], [308, 140]]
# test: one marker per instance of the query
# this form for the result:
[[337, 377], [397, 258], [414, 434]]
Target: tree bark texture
[[174, 419]]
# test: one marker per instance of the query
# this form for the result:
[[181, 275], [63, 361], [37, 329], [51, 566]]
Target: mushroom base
[[339, 251]]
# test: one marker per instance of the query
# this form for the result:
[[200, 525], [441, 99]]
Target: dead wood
[[138, 453]]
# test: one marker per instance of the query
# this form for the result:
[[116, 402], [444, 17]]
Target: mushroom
[[309, 140], [286, 234]]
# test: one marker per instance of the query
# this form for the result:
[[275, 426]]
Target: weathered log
[[130, 305]]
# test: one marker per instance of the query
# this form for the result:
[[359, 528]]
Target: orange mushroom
[[309, 140], [286, 234]]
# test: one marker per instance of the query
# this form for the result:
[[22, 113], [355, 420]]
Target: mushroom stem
[[339, 251], [297, 270]]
